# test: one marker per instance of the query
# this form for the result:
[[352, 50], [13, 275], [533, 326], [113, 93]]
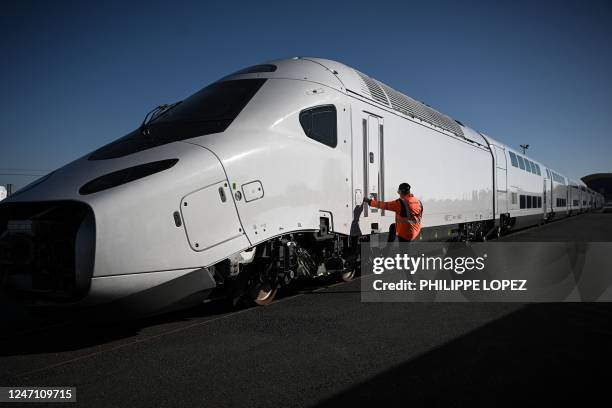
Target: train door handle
[[222, 194]]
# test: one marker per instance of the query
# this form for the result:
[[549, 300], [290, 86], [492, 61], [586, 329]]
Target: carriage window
[[320, 124], [531, 167], [538, 169], [513, 159], [521, 162], [558, 178]]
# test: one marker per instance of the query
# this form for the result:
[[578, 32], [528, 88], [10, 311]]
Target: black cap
[[404, 189]]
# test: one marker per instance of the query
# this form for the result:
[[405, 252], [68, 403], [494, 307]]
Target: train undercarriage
[[256, 275]]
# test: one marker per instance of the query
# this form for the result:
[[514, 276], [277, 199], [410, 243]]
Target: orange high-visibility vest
[[408, 214]]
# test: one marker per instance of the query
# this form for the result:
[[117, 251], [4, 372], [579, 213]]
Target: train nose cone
[[138, 229]]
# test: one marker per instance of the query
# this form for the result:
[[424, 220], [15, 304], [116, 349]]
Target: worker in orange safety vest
[[408, 213]]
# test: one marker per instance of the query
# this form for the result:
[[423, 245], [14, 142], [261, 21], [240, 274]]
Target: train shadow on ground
[[541, 355], [77, 332], [60, 333]]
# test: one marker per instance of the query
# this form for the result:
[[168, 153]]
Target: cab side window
[[320, 123]]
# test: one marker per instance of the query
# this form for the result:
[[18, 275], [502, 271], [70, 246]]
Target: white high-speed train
[[256, 180]]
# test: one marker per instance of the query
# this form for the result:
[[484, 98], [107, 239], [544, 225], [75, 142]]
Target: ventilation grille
[[373, 89], [406, 105]]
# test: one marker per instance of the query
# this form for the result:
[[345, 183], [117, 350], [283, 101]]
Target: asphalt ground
[[322, 346]]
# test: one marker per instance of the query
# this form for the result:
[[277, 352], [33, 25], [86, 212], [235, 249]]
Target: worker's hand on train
[[366, 200]]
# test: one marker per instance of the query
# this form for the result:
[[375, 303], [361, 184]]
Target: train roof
[[351, 81], [340, 76]]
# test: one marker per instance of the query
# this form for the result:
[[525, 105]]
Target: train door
[[373, 169], [500, 180], [551, 189], [544, 196], [553, 204]]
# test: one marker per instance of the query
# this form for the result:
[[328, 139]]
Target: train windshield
[[220, 101], [210, 110]]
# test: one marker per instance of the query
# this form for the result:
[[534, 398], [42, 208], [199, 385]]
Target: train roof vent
[[405, 104], [371, 86], [411, 107]]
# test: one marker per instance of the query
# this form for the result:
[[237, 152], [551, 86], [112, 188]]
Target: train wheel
[[262, 284], [349, 275], [498, 232], [482, 232], [479, 231], [263, 293]]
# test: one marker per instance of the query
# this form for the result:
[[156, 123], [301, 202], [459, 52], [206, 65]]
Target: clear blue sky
[[76, 75]]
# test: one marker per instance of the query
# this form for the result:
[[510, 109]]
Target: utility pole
[[524, 147]]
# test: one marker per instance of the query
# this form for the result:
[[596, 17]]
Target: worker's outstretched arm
[[387, 205]]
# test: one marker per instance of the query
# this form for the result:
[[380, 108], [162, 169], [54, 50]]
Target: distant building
[[600, 182]]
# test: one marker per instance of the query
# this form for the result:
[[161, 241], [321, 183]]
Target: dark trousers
[[393, 235]]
